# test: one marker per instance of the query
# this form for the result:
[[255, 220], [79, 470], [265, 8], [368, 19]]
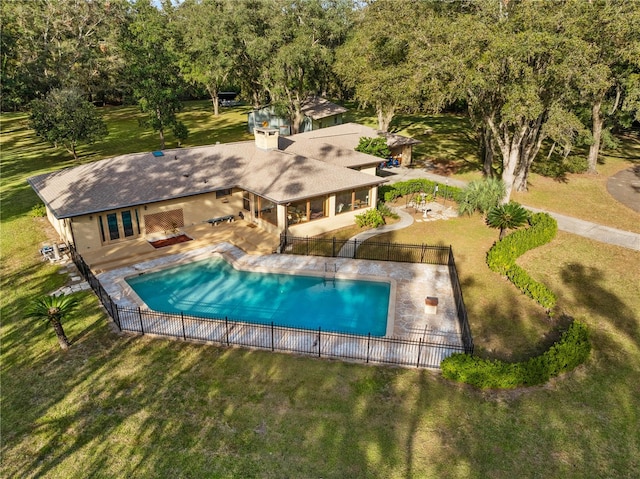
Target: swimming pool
[[213, 288]]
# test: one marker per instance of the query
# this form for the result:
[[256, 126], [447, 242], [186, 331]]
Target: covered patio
[[240, 233]]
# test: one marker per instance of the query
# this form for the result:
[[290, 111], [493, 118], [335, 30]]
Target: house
[[318, 113], [303, 184]]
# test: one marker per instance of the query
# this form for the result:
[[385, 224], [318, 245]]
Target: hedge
[[502, 257], [419, 185], [570, 351]]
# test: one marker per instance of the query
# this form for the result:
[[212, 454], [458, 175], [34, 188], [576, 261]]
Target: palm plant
[[481, 195], [507, 217], [53, 309]]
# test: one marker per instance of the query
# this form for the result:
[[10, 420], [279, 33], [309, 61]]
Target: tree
[[481, 195], [374, 146], [150, 47], [374, 61], [64, 117], [53, 309], [507, 217], [612, 32], [515, 69], [208, 56], [303, 37], [50, 44]]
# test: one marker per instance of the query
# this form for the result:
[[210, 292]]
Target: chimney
[[266, 138]]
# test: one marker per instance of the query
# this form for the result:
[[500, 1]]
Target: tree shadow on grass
[[587, 283]]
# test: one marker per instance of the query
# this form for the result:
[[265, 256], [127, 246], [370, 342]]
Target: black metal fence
[[371, 250], [419, 353], [318, 343], [387, 251]]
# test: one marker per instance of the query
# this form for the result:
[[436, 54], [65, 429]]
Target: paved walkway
[[593, 231], [405, 220], [624, 186]]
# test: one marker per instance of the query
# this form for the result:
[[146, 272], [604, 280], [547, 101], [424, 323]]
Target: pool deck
[[241, 233], [412, 284]]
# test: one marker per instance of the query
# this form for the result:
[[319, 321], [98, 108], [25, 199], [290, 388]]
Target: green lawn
[[127, 406]]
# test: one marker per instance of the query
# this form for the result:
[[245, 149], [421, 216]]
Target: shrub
[[502, 256], [481, 195], [374, 146], [576, 164], [371, 217], [570, 351], [419, 185], [386, 211], [38, 211]]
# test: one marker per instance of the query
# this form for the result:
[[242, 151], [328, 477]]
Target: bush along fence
[[386, 251], [502, 257], [318, 343]]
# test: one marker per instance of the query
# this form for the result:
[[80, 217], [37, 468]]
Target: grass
[[117, 405], [449, 145]]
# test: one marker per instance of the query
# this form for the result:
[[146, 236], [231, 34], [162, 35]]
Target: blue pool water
[[213, 288]]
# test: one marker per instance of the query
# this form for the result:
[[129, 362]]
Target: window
[[316, 208], [307, 210], [361, 198], [119, 225], [246, 201], [127, 224], [112, 225], [104, 238], [344, 202]]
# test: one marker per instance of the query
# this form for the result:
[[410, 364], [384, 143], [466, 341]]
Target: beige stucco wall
[[371, 170], [62, 228], [405, 151], [317, 227], [86, 231], [196, 209]]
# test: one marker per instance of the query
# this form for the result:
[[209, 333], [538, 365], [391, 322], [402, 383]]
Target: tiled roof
[[136, 179]]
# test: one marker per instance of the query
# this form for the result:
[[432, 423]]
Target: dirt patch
[[170, 241]]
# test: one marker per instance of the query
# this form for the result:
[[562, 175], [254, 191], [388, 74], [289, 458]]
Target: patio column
[[282, 218]]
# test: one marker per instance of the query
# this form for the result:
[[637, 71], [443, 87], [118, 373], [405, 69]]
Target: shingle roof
[[348, 135], [136, 179], [318, 108]]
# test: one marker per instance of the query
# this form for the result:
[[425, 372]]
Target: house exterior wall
[[403, 153], [313, 228], [370, 170], [198, 209], [266, 117], [195, 210], [332, 120], [86, 232], [62, 227]]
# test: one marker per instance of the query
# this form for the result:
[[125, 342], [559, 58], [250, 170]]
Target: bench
[[220, 219]]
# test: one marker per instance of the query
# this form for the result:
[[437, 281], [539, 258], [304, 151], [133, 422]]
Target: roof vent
[[266, 138]]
